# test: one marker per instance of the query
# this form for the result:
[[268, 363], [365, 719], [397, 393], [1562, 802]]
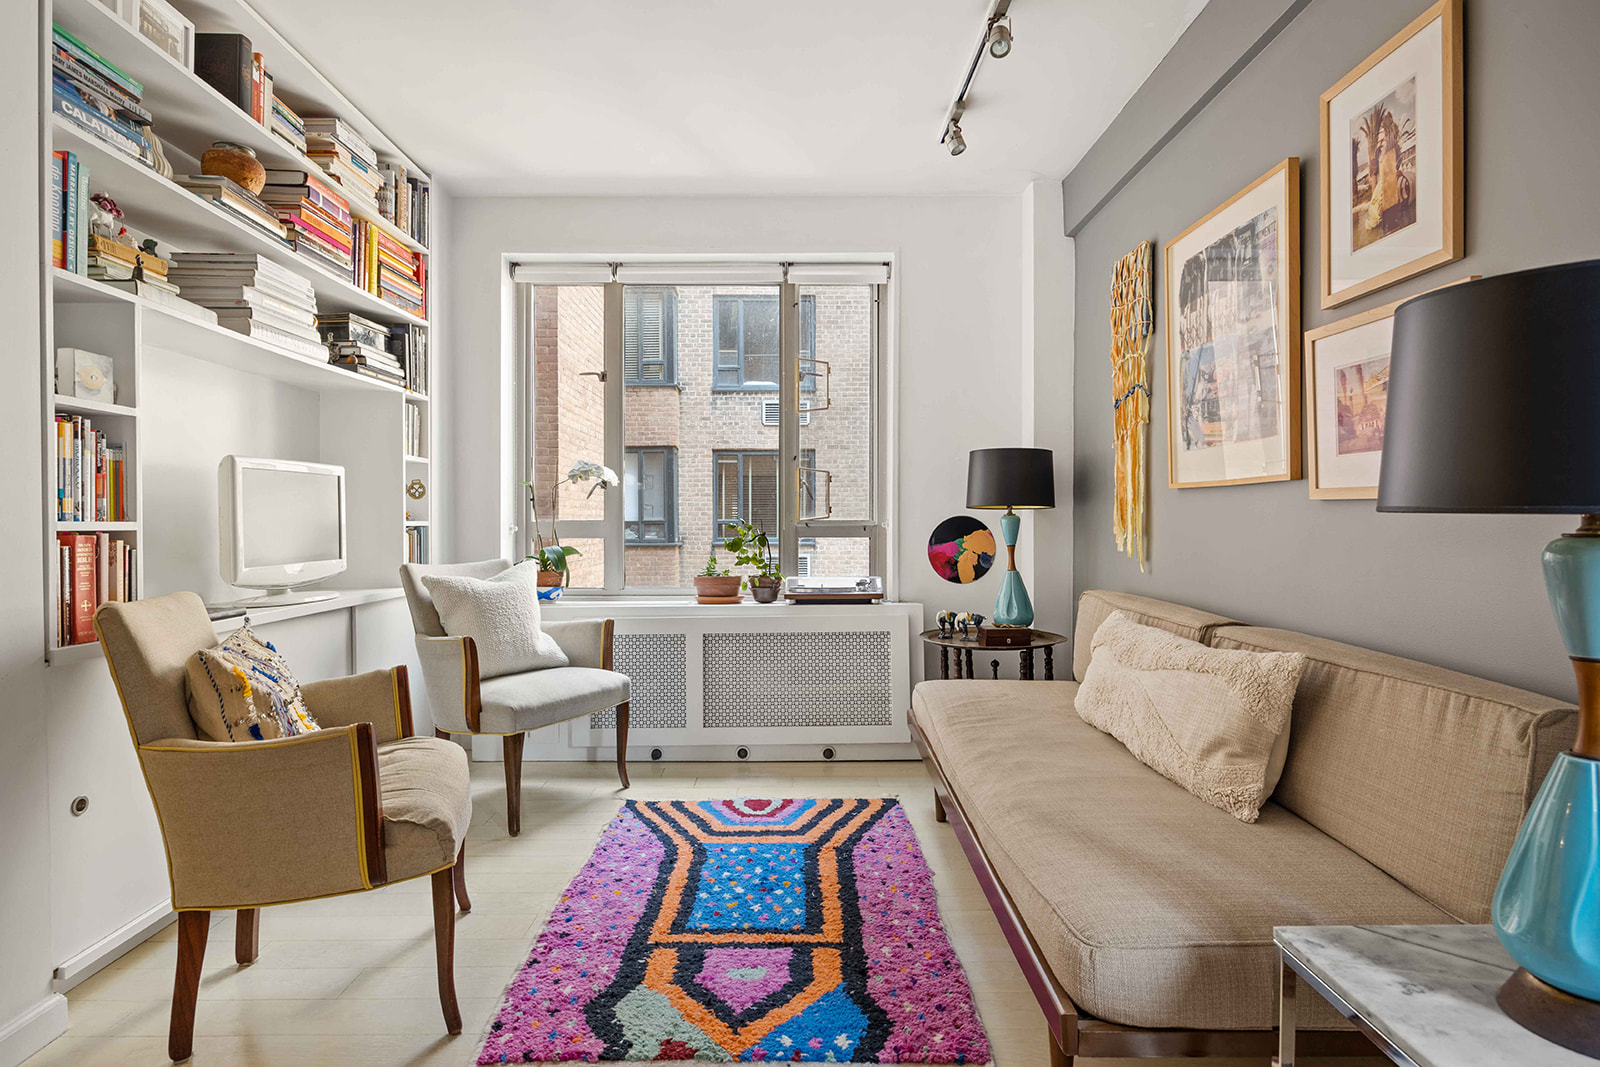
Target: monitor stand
[[281, 597]]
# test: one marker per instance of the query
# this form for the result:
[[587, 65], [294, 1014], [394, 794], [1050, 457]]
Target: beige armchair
[[353, 806], [512, 704]]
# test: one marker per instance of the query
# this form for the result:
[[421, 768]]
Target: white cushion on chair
[[501, 615], [516, 702]]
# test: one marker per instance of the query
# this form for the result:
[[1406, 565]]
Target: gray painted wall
[[1461, 591]]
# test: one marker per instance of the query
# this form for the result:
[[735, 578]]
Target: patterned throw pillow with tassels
[[242, 690]]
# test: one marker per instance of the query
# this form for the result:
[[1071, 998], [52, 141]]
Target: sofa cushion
[[1095, 605], [516, 702], [1151, 908], [1208, 719], [426, 794], [1426, 772]]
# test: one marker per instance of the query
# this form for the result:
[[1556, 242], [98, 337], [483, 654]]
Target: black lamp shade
[[1011, 478], [1494, 396]]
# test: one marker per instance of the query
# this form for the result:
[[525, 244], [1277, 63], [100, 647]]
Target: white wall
[[30, 1014], [1053, 274], [966, 269]]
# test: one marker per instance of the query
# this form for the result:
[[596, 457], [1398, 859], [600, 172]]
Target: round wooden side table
[[965, 646]]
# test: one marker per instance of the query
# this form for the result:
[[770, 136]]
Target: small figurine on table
[[947, 624], [967, 623]]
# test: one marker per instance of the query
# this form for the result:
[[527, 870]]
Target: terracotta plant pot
[[549, 578], [235, 162], [765, 590], [716, 589]]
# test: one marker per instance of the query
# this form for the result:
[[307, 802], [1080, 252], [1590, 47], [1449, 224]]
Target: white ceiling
[[730, 97]]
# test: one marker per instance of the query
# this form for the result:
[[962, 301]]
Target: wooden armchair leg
[[463, 901], [513, 757], [247, 936], [193, 927], [444, 940], [1057, 1057], [938, 808], [622, 743]]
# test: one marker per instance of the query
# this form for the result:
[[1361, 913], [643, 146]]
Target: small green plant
[[712, 570], [751, 548], [554, 557]]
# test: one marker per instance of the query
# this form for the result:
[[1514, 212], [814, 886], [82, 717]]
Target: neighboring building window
[[747, 341], [650, 496], [649, 336], [745, 489]]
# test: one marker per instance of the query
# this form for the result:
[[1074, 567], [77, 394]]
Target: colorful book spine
[[70, 210], [55, 179], [94, 59]]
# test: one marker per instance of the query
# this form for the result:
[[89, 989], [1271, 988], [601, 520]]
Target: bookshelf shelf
[[416, 522], [87, 652], [76, 406], [189, 113], [90, 527], [176, 217], [416, 459]]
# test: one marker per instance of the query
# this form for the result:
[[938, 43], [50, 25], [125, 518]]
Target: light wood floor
[[349, 982]]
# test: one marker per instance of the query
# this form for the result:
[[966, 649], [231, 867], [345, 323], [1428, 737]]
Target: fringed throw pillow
[[1209, 719], [242, 690]]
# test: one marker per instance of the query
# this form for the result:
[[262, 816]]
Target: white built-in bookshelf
[[174, 372]]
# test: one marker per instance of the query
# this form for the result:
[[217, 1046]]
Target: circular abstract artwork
[[961, 549]]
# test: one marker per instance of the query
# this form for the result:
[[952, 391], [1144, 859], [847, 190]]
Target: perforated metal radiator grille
[[830, 678], [655, 666]]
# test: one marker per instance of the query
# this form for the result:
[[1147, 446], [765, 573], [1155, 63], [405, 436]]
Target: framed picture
[[160, 23], [1393, 203], [1347, 395], [1233, 339]]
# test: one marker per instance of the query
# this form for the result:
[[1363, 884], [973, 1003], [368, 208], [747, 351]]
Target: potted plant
[[715, 585], [751, 548], [553, 570]]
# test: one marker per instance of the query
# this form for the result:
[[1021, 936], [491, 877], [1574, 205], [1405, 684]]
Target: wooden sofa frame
[[1074, 1033]]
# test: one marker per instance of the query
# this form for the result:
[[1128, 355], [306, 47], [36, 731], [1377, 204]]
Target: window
[[745, 489], [650, 496], [747, 342], [649, 336]]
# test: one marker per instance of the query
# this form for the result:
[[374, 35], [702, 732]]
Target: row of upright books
[[98, 98], [389, 270], [92, 568], [403, 200], [415, 442], [91, 473], [416, 544], [409, 344]]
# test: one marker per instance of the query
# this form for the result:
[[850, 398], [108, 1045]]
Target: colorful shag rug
[[747, 929]]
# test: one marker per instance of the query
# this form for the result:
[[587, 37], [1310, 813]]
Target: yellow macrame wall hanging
[[1132, 322]]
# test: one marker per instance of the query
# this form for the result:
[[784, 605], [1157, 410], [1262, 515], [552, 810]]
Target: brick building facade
[[700, 419]]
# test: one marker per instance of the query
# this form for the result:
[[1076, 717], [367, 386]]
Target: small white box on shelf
[[85, 375], [160, 23]]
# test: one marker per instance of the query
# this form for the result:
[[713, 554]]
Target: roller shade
[[838, 273], [562, 273], [700, 273]]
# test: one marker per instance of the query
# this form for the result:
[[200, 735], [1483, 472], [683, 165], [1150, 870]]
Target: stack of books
[[347, 157], [404, 201], [235, 199], [416, 544], [317, 218], [254, 296], [414, 444], [409, 344], [91, 473], [389, 270], [359, 344], [98, 98], [93, 568], [289, 127], [67, 176], [143, 274]]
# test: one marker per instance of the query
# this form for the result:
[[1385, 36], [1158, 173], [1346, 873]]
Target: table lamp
[[1494, 406], [1011, 478]]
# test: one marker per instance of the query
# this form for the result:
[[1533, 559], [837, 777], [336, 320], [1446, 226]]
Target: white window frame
[[877, 528]]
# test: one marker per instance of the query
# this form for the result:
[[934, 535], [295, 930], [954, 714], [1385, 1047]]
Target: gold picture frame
[[1399, 158], [1216, 433]]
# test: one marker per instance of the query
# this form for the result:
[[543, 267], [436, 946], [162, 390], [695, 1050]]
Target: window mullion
[[788, 474], [615, 537]]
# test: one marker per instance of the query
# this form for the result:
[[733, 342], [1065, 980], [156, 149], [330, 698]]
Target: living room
[[888, 537]]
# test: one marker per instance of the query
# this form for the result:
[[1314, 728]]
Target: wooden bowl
[[236, 163]]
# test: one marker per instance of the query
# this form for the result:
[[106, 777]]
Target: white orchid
[[587, 470]]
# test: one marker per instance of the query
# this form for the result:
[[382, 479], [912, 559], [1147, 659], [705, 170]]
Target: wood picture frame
[[1411, 217], [1322, 405], [1233, 448]]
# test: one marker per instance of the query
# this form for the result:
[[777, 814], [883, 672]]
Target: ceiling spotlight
[[1000, 38], [957, 143]]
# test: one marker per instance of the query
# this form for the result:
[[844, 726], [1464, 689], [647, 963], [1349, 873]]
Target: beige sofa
[[1143, 917]]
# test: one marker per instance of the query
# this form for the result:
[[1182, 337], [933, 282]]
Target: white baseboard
[[487, 749], [33, 1030], [111, 947]]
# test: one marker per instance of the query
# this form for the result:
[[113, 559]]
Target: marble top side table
[[1423, 994]]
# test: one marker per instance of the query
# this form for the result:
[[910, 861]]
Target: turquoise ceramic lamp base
[[1547, 906], [1012, 607]]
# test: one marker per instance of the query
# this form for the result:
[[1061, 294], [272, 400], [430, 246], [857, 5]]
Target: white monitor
[[281, 525]]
